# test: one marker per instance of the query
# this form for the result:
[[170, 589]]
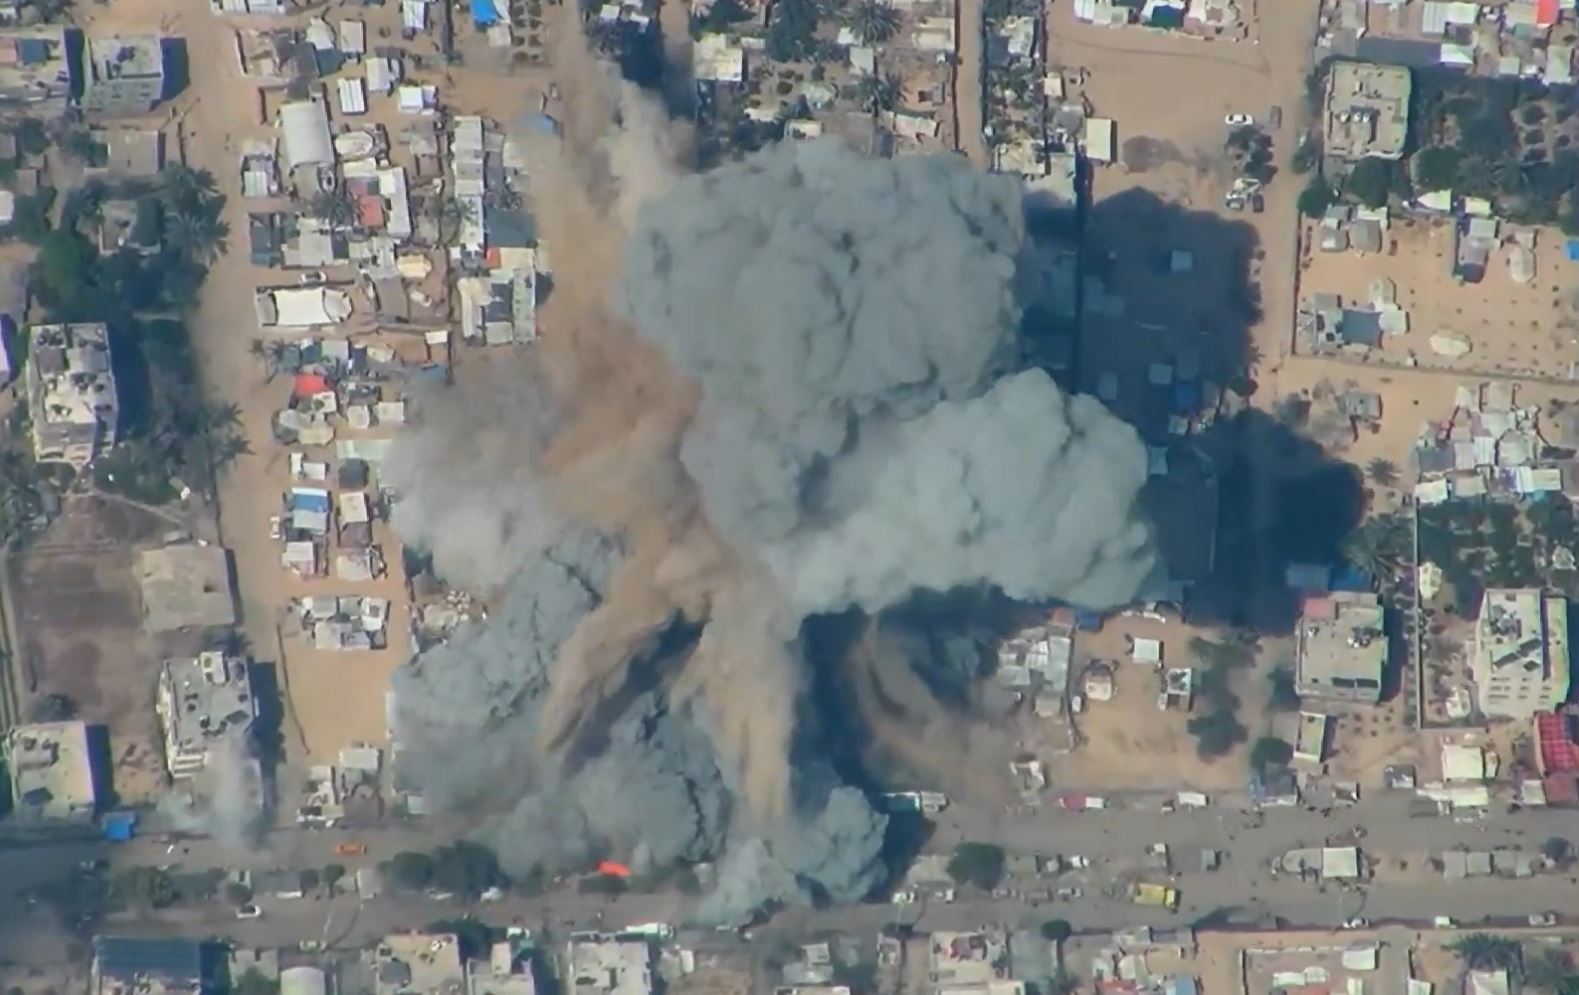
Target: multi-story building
[[71, 393], [1520, 663], [127, 966], [204, 703], [122, 75], [1367, 112]]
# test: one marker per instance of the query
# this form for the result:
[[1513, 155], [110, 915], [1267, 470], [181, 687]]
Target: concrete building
[[1520, 660], [1367, 111], [35, 69], [975, 963], [1341, 648], [122, 75], [50, 766], [204, 703], [506, 972], [186, 586], [604, 966], [71, 393], [123, 966], [419, 964]]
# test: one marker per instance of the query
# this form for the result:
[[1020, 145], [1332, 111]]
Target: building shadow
[[177, 67]]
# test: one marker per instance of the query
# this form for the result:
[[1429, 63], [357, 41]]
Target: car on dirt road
[[1238, 120]]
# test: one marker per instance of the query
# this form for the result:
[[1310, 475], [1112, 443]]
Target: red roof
[[1561, 789], [1557, 751], [1546, 12], [308, 384], [370, 211]]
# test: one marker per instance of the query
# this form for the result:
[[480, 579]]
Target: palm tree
[[1379, 546], [1485, 952], [334, 208], [1383, 472], [449, 214], [202, 237], [181, 188], [270, 351], [878, 94], [1547, 970], [873, 21], [227, 449]]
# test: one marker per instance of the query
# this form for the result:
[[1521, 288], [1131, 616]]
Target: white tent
[[301, 307], [304, 125]]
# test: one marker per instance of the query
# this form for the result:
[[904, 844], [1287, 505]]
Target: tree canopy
[[980, 864]]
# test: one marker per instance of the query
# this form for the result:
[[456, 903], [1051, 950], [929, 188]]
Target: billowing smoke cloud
[[802, 394], [228, 800]]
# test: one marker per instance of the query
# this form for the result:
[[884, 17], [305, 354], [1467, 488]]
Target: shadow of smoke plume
[[802, 396], [1280, 499]]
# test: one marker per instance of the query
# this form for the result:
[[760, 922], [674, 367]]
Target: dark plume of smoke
[[783, 388]]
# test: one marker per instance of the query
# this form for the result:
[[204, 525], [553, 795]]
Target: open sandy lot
[[1514, 330], [78, 622]]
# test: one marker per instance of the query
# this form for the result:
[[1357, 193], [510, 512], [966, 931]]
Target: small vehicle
[[1156, 895], [1356, 923], [1238, 120], [350, 848], [276, 527], [1444, 922], [249, 911], [1078, 862], [312, 276], [904, 898], [1543, 919], [1069, 892]]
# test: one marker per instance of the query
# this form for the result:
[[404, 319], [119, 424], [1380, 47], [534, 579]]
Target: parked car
[[1238, 120], [1069, 892], [350, 848], [1356, 923], [249, 912], [1543, 919]]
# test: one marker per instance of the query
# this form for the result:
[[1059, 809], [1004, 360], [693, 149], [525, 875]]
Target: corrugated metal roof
[[178, 961]]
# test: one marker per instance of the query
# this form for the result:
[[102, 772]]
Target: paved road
[[1243, 889]]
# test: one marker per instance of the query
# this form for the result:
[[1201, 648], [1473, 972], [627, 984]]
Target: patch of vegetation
[[1494, 544], [979, 864], [792, 30], [1486, 952], [1217, 729], [1317, 196], [1506, 140]]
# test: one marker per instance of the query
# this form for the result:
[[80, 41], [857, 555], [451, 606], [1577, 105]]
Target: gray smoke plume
[[228, 800], [845, 319], [803, 394], [454, 474]]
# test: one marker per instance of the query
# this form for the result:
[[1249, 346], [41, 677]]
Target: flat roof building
[[505, 972], [1341, 648], [124, 966], [1367, 112], [609, 967], [35, 68], [123, 75], [1520, 660], [50, 765], [419, 964], [186, 586], [71, 393], [203, 703]]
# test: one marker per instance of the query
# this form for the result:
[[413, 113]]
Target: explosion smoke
[[800, 397]]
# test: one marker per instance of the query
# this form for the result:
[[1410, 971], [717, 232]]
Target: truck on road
[[1155, 895]]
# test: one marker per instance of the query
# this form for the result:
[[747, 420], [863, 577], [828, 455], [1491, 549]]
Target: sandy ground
[[77, 616], [1515, 330], [334, 699]]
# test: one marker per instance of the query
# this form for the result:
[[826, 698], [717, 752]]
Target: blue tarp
[[484, 13], [1573, 250], [119, 827], [306, 501]]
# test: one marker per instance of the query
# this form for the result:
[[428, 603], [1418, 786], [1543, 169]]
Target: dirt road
[[968, 84]]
